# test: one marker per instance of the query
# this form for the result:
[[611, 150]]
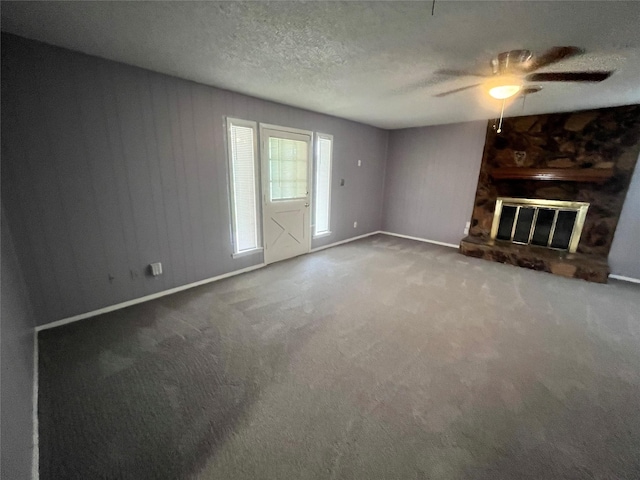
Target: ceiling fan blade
[[444, 94], [529, 90], [420, 85], [460, 73], [568, 76], [551, 56]]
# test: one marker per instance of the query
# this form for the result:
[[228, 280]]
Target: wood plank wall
[[108, 167]]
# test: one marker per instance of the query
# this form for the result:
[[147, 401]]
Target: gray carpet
[[379, 359]]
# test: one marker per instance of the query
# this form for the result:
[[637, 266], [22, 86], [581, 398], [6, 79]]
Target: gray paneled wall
[[108, 167], [624, 257], [431, 179], [16, 387]]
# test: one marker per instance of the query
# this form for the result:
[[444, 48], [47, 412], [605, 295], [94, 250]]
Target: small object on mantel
[[594, 175]]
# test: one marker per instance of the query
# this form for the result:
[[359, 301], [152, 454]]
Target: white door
[[286, 159]]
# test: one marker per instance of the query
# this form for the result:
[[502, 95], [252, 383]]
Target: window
[[288, 161], [244, 191], [324, 145]]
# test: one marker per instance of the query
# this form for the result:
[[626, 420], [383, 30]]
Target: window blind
[[243, 171], [323, 185]]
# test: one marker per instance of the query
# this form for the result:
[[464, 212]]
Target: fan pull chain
[[501, 115]]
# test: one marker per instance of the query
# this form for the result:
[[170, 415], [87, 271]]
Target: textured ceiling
[[357, 60]]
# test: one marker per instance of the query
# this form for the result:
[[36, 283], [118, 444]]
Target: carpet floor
[[383, 358]]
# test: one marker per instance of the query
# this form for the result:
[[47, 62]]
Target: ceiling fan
[[510, 71]]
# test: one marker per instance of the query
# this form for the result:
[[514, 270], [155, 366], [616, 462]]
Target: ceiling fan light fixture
[[504, 86], [501, 92]]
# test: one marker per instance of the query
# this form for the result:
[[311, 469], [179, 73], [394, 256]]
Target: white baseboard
[[153, 296], [35, 447], [624, 279], [317, 249], [146, 298], [435, 242]]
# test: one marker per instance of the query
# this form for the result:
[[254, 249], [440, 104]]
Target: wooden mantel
[[595, 175]]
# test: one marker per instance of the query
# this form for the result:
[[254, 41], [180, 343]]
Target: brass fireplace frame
[[558, 205]]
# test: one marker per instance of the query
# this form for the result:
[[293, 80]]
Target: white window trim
[[329, 137], [246, 253], [256, 159], [299, 131]]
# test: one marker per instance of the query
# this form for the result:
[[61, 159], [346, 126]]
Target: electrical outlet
[[466, 228], [355, 224], [359, 163]]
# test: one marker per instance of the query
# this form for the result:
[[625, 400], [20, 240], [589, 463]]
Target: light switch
[[155, 269]]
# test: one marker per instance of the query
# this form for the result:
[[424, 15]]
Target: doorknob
[[306, 204]]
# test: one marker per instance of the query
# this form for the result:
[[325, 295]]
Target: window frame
[[329, 137], [230, 122]]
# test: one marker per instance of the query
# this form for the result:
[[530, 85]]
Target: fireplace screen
[[546, 223]]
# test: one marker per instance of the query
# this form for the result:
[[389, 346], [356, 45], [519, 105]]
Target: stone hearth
[[575, 265], [586, 156]]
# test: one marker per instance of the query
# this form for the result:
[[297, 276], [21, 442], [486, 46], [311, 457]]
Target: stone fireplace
[[551, 189]]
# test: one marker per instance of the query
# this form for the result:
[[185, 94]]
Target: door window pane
[[288, 160]]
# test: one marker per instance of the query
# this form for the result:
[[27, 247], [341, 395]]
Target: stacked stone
[[595, 139]]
